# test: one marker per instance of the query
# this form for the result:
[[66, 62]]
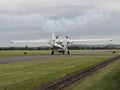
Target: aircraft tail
[[53, 36], [53, 39]]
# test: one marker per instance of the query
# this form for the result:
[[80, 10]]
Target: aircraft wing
[[30, 41], [89, 40]]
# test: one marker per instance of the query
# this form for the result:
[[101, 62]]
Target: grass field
[[107, 78], [13, 53], [27, 75]]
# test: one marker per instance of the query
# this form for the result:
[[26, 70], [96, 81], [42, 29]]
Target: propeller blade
[[57, 37], [66, 37]]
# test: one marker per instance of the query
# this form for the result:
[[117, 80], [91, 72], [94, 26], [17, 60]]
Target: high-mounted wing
[[30, 41], [82, 40], [91, 40]]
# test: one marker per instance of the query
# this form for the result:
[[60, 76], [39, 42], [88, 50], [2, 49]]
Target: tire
[[52, 52], [63, 52], [68, 52]]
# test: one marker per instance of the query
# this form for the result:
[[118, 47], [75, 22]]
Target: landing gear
[[63, 52], [52, 52], [68, 52]]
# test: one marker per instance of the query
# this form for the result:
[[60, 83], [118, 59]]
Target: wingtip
[[11, 41], [111, 39]]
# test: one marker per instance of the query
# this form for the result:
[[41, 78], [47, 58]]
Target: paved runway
[[44, 56], [30, 58]]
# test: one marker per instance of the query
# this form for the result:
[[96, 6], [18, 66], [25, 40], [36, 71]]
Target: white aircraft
[[58, 45]]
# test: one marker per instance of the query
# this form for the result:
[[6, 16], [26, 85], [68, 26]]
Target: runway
[[42, 57], [34, 57]]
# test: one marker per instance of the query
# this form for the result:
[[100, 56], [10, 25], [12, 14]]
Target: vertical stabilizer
[[53, 36], [53, 39]]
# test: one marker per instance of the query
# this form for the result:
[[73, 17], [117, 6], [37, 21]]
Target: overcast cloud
[[35, 19]]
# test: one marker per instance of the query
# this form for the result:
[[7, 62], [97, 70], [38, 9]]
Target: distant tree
[[26, 47]]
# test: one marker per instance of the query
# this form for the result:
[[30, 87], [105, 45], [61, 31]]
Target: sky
[[37, 19]]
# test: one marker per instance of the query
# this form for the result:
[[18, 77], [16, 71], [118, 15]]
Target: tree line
[[74, 47]]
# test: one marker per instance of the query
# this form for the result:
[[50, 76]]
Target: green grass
[[107, 78], [13, 53], [27, 75]]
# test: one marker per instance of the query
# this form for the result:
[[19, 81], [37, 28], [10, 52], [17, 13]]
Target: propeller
[[57, 37], [66, 37], [68, 42]]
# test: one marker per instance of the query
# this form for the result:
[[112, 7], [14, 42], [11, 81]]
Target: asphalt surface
[[43, 57], [34, 57]]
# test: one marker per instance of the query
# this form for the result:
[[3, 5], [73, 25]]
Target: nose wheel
[[52, 52]]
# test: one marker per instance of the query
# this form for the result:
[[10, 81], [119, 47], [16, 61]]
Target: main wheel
[[52, 52], [63, 52], [68, 52]]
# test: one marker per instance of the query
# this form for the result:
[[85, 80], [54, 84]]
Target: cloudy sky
[[37, 19]]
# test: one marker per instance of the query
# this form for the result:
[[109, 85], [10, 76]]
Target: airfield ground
[[107, 78], [32, 73], [19, 56]]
